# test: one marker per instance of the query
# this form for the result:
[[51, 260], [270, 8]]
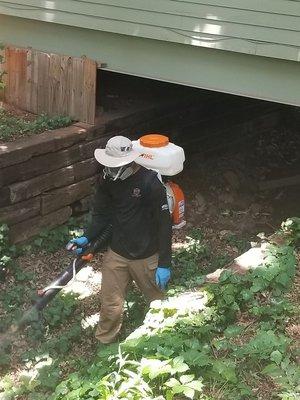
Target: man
[[134, 201]]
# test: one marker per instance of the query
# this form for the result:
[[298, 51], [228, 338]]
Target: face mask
[[118, 172]]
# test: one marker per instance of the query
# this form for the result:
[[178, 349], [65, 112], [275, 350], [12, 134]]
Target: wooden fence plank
[[2, 69], [6, 76], [64, 88], [54, 84], [33, 106], [16, 76], [43, 83], [28, 83], [76, 98], [89, 91], [11, 76], [22, 78]]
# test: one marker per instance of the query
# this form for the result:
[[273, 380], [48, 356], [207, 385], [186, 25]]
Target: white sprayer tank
[[159, 154]]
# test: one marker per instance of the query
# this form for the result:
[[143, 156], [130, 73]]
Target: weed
[[186, 262], [60, 309], [240, 243], [12, 126], [51, 240]]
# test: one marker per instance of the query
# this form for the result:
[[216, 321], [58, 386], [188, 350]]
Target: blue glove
[[77, 244], [162, 277]]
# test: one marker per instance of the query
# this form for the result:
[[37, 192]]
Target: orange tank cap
[[154, 140]]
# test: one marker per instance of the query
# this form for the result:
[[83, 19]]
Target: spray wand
[[48, 293]]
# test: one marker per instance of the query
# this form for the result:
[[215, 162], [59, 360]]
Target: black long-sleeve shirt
[[138, 209]]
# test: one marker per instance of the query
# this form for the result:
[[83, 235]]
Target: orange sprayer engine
[[159, 154]]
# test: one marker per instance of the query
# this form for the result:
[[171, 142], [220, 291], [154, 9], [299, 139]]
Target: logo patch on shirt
[[136, 192]]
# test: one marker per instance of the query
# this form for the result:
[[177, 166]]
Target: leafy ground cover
[[242, 345], [13, 126]]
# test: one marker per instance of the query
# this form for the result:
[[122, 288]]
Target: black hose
[[97, 245], [61, 280]]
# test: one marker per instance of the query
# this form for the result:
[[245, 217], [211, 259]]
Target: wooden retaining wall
[[41, 177]]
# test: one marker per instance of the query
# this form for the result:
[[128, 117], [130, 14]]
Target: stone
[[21, 211], [21, 150], [251, 259], [25, 230], [33, 187], [56, 199], [214, 277]]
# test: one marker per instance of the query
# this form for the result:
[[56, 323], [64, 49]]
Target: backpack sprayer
[[166, 158]]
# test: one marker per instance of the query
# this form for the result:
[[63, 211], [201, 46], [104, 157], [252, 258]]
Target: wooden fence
[[50, 83]]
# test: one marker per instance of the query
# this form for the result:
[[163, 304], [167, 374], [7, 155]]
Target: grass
[[13, 127]]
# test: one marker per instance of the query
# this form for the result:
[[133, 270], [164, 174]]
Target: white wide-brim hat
[[118, 152]]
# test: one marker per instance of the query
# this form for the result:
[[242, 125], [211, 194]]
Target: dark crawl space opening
[[242, 155]]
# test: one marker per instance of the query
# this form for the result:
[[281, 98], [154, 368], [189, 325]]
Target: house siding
[[223, 71], [259, 27]]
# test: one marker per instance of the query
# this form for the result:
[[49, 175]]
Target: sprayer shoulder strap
[[150, 178]]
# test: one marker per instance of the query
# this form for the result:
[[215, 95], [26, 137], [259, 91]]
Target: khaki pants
[[117, 273]]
